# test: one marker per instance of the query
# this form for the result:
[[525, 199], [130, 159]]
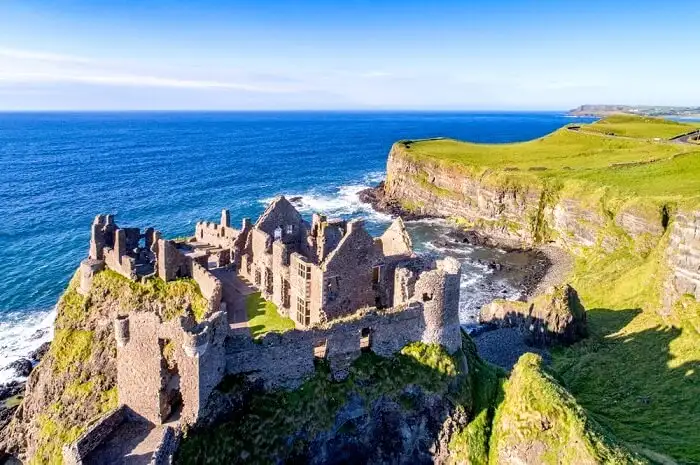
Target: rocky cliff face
[[683, 257], [504, 212], [505, 207]]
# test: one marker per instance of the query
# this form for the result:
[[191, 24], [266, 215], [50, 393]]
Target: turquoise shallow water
[[168, 170]]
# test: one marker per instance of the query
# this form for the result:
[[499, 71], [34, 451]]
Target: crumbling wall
[[158, 361], [169, 441], [88, 269], [209, 285], [280, 214], [75, 452], [396, 241], [139, 364], [171, 264], [350, 267], [284, 360], [216, 235]]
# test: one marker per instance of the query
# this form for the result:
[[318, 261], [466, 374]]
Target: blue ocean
[[169, 170]]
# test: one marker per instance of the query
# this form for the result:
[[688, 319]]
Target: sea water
[[169, 170]]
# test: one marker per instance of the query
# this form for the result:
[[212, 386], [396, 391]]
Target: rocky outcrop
[[540, 422], [555, 317], [683, 259], [428, 189], [506, 208]]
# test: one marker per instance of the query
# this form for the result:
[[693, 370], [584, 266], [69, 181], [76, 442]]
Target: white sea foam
[[21, 333], [343, 202]]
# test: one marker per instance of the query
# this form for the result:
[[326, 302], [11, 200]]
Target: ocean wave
[[20, 334], [341, 202]]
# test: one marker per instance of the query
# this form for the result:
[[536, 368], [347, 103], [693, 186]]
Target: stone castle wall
[[284, 360], [157, 362], [75, 452], [209, 285], [216, 234]]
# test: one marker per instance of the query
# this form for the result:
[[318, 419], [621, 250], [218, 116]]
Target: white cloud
[[37, 67], [40, 56]]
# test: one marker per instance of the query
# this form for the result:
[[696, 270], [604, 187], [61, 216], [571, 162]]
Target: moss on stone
[[170, 300], [278, 425]]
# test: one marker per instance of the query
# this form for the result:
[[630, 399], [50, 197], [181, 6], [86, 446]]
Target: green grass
[[637, 371], [540, 422], [471, 444], [572, 161], [642, 127], [277, 425], [263, 317], [69, 348], [169, 300]]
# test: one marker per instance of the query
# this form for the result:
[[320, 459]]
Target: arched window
[[278, 233]]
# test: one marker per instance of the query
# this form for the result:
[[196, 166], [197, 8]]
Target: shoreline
[[546, 265], [558, 262]]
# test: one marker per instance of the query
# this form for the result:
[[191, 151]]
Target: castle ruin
[[346, 292]]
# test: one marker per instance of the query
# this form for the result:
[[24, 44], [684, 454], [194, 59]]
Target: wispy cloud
[[36, 67], [40, 56]]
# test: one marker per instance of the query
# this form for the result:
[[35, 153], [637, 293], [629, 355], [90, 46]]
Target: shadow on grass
[[641, 382], [264, 318]]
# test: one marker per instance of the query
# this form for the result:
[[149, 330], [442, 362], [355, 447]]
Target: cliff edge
[[621, 196]]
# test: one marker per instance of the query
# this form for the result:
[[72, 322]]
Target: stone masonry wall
[[216, 234], [75, 452], [284, 360], [209, 285]]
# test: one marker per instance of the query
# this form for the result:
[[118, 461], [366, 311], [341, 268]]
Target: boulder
[[22, 367], [555, 317], [40, 351]]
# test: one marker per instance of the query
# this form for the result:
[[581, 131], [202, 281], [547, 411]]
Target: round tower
[[88, 269], [438, 291], [196, 344]]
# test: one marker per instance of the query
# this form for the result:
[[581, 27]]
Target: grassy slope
[[263, 317], [638, 373], [540, 422], [575, 160], [640, 127]]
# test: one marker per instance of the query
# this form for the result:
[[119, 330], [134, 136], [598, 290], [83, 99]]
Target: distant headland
[[642, 110]]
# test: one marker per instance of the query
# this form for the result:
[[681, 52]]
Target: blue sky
[[536, 54]]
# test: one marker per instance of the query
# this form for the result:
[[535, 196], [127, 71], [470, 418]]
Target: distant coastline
[[641, 110]]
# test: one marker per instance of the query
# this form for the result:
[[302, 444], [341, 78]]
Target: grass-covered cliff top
[[631, 160]]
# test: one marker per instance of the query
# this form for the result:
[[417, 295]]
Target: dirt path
[[235, 292]]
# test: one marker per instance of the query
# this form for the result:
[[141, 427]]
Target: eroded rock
[[555, 317]]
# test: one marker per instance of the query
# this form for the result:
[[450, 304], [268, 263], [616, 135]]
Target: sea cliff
[[620, 196]]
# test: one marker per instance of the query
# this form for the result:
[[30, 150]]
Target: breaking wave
[[339, 202], [20, 334]]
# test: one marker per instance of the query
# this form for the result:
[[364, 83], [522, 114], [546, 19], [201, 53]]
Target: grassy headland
[[581, 159], [638, 373]]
